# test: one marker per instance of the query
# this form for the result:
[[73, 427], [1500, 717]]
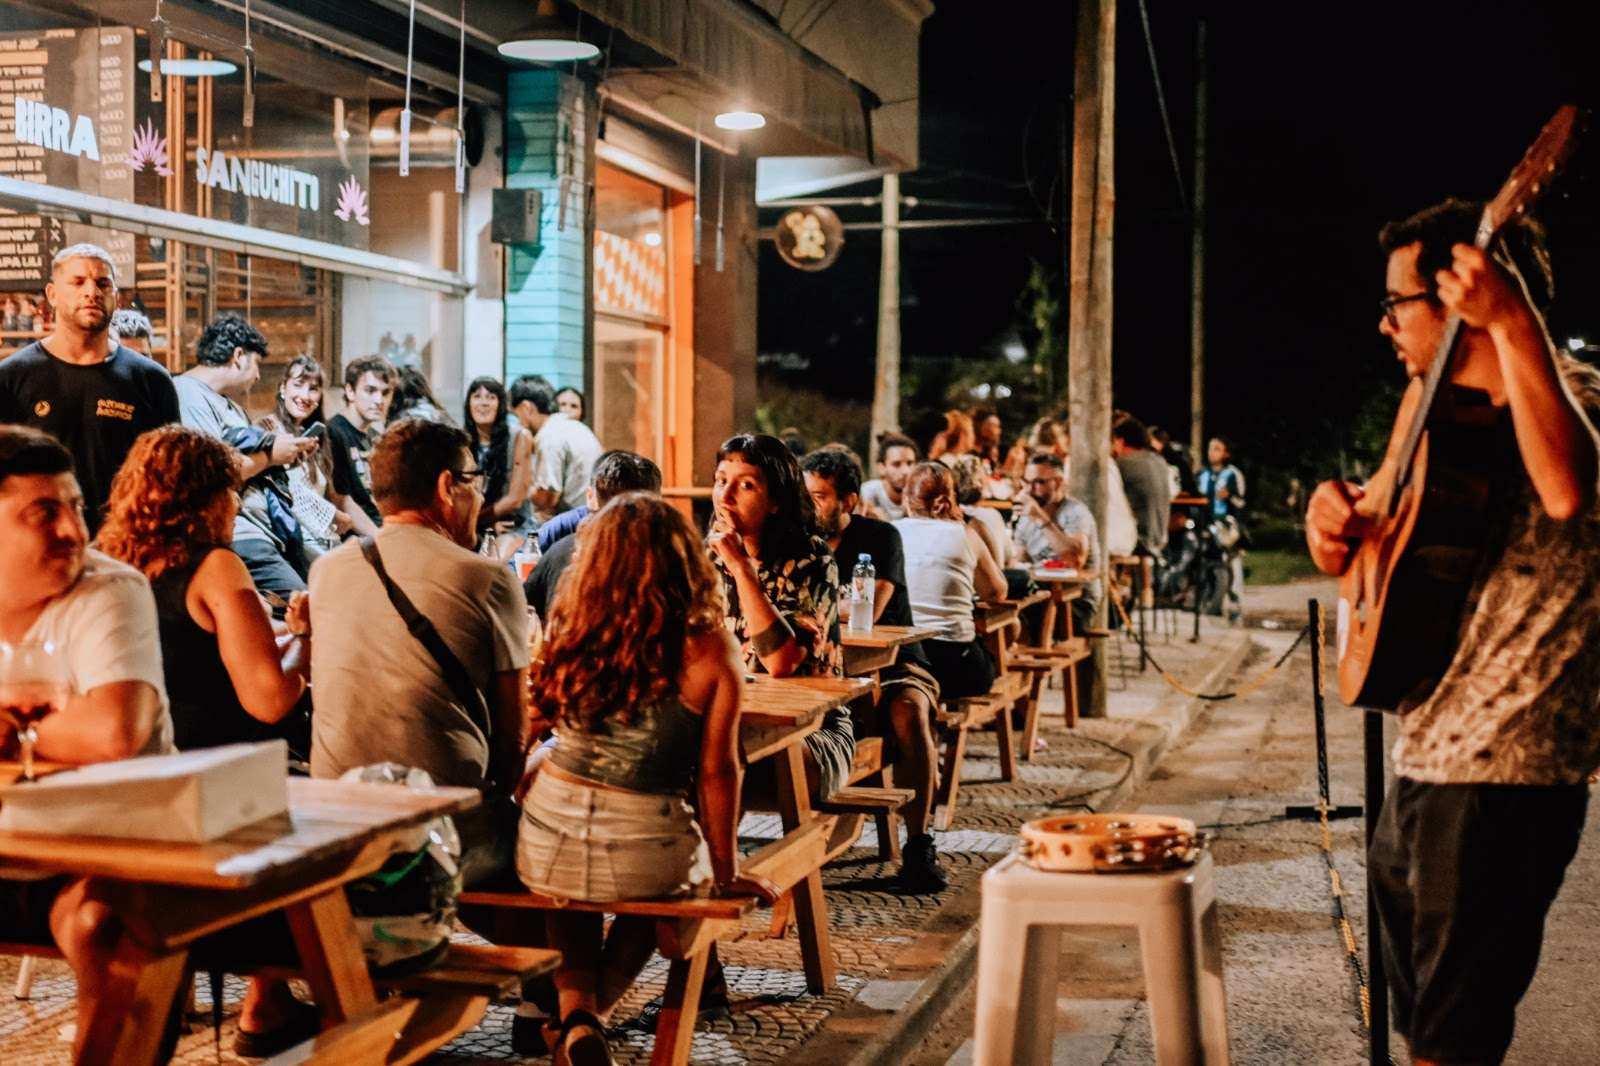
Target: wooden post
[[1093, 204], [886, 386], [1197, 261]]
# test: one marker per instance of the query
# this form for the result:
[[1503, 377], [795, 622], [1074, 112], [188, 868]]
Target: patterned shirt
[[1520, 702], [805, 591]]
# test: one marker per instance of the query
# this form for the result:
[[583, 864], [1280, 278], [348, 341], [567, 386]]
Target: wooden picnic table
[[170, 895], [865, 654], [778, 714]]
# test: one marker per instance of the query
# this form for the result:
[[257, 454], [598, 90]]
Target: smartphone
[[314, 431]]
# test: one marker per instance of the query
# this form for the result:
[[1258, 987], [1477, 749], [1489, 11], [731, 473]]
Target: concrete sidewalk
[[899, 957]]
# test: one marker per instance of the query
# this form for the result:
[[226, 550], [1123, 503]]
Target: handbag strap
[[455, 674]]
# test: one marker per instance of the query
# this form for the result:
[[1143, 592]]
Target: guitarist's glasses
[[1387, 305]]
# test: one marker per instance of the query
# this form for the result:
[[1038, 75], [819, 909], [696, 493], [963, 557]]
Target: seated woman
[[323, 514], [947, 563], [504, 451], [781, 585], [641, 678], [229, 678]]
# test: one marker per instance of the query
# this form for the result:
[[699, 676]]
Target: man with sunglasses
[[380, 694], [1492, 763]]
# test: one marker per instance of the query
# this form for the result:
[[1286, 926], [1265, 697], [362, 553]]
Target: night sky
[[1326, 121]]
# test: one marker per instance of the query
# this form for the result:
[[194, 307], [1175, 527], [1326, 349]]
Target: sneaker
[[920, 872]]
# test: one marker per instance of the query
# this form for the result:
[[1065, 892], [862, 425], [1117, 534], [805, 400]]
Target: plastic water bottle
[[862, 587]]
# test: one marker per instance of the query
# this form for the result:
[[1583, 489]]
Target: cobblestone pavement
[[772, 1014], [1290, 990]]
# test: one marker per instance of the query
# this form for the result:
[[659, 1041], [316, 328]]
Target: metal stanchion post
[[1377, 980], [1319, 710]]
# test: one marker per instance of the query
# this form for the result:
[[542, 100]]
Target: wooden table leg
[[330, 952], [811, 909], [1047, 625], [136, 999], [1070, 703]]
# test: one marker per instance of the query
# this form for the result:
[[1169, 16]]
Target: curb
[[871, 1034]]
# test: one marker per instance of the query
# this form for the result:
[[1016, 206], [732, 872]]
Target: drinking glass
[[34, 682]]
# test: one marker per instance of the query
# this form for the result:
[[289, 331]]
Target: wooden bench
[[956, 718], [425, 1010], [686, 927]]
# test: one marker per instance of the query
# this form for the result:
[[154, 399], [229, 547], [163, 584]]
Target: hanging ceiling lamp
[[740, 120], [547, 40]]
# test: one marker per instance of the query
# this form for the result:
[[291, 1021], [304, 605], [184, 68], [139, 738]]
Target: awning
[[739, 59], [38, 199]]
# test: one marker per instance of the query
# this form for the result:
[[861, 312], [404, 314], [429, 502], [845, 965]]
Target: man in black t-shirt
[[909, 693], [615, 473], [368, 388], [90, 393]]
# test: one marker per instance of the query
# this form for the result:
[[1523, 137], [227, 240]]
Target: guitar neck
[[1443, 356]]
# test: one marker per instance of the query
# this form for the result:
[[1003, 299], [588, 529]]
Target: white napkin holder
[[190, 797]]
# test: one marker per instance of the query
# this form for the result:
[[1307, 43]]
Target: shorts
[[25, 909], [581, 841], [1463, 876], [833, 749], [892, 680], [963, 668]]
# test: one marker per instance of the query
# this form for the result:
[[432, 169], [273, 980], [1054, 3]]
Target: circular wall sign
[[810, 238]]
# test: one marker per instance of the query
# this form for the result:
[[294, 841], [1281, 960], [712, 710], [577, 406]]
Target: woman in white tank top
[[948, 566]]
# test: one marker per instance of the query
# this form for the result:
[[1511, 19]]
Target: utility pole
[[1197, 260], [886, 386], [1093, 204]]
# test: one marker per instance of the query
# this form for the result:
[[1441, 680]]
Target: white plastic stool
[[1019, 945]]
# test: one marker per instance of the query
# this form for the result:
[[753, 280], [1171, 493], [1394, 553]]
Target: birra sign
[[51, 128]]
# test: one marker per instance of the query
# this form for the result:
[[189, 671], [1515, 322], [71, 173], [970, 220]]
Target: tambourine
[[1111, 843]]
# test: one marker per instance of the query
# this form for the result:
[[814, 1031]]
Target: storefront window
[[632, 312], [76, 114]]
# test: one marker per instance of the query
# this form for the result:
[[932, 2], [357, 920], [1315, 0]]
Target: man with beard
[[81, 386], [909, 692], [1492, 764], [884, 495]]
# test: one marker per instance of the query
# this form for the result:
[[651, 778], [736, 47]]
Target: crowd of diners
[[214, 579]]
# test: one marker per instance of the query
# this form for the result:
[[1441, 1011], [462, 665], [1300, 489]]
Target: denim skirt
[[580, 841]]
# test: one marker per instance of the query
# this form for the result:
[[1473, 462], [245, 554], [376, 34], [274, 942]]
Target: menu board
[[66, 120]]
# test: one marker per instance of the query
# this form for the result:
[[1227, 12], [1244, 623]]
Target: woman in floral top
[[781, 584]]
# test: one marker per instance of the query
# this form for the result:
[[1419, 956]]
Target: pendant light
[[722, 186], [548, 40], [697, 191], [461, 110], [158, 45], [405, 112], [249, 119]]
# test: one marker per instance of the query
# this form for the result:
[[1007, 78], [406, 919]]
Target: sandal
[[582, 1042]]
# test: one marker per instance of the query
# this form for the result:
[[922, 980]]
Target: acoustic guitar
[[1401, 600]]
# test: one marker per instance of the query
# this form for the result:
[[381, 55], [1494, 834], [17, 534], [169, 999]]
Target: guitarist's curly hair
[[1456, 222]]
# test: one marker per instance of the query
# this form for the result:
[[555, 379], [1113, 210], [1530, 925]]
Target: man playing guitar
[[1492, 763]]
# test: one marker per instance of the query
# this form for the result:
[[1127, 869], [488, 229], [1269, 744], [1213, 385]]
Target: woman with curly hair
[[639, 675], [171, 518], [504, 451]]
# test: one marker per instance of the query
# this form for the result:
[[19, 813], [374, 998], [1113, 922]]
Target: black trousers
[[1463, 876]]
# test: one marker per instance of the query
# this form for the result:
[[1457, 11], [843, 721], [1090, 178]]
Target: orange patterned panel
[[629, 277]]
